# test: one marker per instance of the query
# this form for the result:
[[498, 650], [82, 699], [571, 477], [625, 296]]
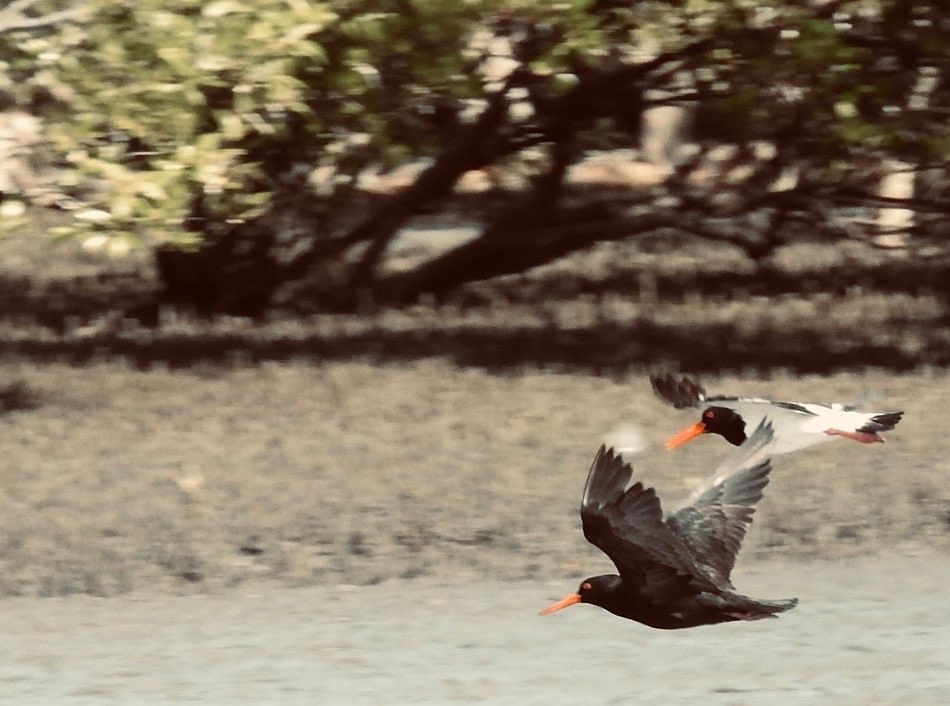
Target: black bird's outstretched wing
[[627, 525], [713, 522]]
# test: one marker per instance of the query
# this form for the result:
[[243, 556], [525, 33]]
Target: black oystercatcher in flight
[[674, 572], [797, 425]]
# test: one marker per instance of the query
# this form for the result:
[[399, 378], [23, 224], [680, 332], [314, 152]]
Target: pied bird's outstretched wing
[[627, 525], [681, 392], [713, 522]]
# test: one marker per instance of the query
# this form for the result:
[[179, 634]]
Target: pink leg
[[865, 437]]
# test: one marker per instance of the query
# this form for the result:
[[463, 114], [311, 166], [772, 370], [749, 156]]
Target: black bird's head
[[714, 420], [597, 590]]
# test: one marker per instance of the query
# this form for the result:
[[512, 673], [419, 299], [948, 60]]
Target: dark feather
[[714, 521], [882, 422], [793, 406], [627, 525], [680, 392]]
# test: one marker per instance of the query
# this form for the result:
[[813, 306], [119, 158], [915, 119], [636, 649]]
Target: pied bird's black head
[[726, 423], [714, 420]]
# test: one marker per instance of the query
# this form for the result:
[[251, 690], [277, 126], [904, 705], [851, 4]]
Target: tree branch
[[466, 152], [855, 195], [12, 19], [510, 253]]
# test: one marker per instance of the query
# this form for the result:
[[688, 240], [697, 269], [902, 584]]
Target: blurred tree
[[242, 132]]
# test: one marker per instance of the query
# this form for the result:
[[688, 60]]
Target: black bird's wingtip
[[608, 475]]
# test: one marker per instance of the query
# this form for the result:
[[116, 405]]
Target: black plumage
[[674, 572]]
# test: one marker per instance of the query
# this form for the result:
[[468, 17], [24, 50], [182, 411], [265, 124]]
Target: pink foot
[[865, 437]]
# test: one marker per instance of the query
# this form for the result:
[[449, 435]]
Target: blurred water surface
[[873, 630]]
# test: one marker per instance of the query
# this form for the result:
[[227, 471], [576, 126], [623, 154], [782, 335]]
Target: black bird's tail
[[780, 606], [756, 609]]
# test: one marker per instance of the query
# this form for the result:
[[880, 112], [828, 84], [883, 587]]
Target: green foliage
[[174, 118], [855, 85], [157, 100]]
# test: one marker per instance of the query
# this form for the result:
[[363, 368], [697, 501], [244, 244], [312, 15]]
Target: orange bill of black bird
[[674, 571]]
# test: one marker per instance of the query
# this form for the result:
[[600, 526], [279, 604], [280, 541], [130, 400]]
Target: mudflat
[[371, 508], [211, 478], [869, 630]]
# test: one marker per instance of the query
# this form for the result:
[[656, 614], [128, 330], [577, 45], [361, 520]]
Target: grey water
[[872, 630]]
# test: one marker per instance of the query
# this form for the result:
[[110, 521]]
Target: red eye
[[586, 586], [709, 414]]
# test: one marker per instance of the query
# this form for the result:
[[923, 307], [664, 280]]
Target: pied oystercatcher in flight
[[797, 425]]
